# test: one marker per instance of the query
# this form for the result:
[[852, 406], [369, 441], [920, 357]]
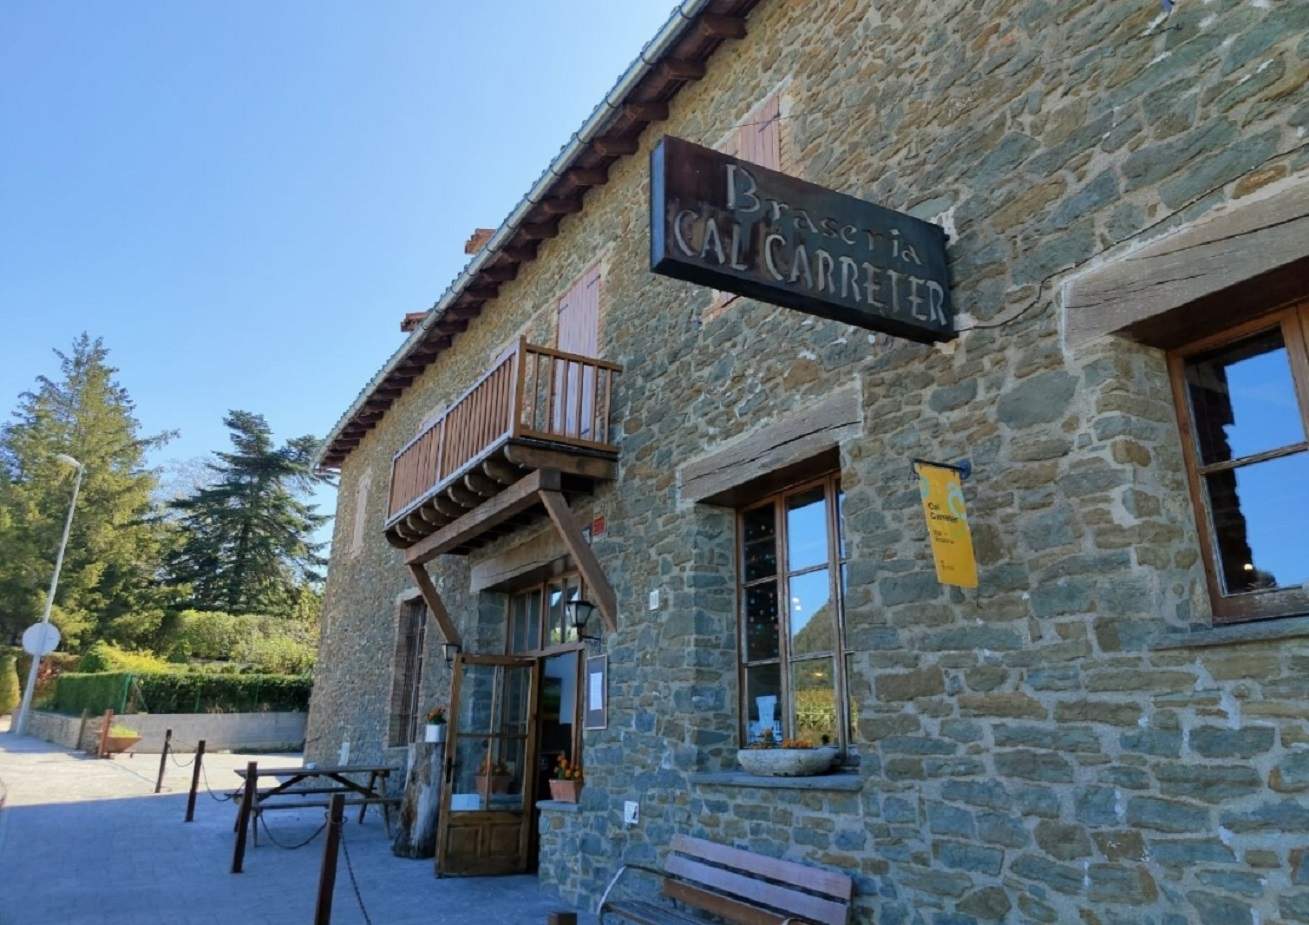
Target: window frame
[[1260, 604], [403, 711], [545, 650], [835, 563]]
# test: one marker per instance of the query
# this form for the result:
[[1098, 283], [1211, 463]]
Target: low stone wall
[[228, 731]]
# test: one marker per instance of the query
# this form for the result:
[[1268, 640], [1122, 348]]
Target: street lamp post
[[26, 708]]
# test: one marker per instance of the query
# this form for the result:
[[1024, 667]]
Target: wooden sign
[[947, 525], [736, 226]]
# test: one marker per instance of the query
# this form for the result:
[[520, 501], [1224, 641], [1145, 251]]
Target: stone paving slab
[[84, 840]]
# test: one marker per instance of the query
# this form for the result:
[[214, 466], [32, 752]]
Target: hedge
[[52, 666], [181, 692]]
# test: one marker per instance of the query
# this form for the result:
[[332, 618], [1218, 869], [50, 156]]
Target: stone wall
[[1042, 749], [226, 731]]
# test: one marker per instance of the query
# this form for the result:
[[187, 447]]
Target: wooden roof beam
[[537, 231], [681, 69], [614, 147], [721, 27], [559, 205], [500, 274], [585, 177], [646, 112]]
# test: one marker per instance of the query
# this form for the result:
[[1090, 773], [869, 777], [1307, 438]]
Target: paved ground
[[86, 841]]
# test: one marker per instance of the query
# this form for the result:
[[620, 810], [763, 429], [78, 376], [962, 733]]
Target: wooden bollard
[[243, 820], [163, 760], [327, 875], [105, 724], [195, 780]]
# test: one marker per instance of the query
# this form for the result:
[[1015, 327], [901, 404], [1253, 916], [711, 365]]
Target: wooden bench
[[733, 885]]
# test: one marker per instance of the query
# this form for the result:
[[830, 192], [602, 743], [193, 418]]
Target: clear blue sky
[[243, 198]]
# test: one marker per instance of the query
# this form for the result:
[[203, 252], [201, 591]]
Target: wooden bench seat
[[702, 879]]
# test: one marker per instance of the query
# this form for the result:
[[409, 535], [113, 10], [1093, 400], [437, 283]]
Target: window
[[538, 619], [791, 571], [758, 139], [1243, 405], [361, 512], [407, 672]]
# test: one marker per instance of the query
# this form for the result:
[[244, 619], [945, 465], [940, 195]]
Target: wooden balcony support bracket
[[570, 531], [435, 606], [511, 502]]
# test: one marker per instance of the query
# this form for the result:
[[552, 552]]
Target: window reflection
[[806, 529], [813, 625], [1258, 512], [1243, 398]]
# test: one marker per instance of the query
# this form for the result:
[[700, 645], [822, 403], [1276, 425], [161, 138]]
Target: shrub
[[182, 692], [52, 666], [9, 691], [77, 691], [277, 655], [105, 656]]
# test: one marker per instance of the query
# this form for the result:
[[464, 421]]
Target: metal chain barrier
[[318, 831], [349, 868], [204, 772]]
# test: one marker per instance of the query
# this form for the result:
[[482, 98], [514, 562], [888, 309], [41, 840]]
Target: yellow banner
[[947, 524]]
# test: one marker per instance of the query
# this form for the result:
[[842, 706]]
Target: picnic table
[[306, 788]]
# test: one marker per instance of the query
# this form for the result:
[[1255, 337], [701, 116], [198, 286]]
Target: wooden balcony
[[536, 421]]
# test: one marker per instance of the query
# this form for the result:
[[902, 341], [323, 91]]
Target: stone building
[[1114, 725]]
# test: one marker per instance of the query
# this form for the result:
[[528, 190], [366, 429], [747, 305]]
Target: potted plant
[[493, 777], [435, 728], [120, 739], [566, 784], [790, 758]]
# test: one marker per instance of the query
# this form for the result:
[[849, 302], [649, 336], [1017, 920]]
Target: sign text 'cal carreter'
[[733, 225]]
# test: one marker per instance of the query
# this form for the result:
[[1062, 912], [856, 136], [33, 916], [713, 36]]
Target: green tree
[[110, 581], [10, 693], [248, 542]]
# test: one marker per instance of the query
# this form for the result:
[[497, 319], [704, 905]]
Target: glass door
[[489, 779]]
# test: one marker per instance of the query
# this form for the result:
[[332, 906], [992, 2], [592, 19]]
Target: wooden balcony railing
[[533, 394]]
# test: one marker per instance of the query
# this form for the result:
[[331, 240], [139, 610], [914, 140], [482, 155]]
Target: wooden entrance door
[[488, 785], [578, 332]]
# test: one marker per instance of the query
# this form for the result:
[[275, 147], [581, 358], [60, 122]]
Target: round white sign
[[40, 639]]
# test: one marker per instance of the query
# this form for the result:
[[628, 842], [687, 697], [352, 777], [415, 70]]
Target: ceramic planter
[[434, 732], [787, 762], [565, 791]]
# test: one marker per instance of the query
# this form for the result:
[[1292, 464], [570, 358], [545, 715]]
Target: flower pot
[[488, 784], [787, 762], [116, 744], [434, 732], [565, 791]]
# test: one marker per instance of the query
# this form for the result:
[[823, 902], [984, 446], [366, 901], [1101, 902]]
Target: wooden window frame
[[835, 564], [402, 731], [1293, 320], [543, 651]]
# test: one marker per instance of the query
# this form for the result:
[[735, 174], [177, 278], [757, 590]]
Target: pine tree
[[110, 579], [248, 536]]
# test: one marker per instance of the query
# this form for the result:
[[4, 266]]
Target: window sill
[[558, 806], [846, 781], [1235, 634]]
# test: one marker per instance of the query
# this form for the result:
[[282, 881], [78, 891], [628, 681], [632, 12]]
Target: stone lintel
[[1156, 292]]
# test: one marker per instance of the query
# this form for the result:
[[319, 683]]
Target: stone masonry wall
[[1031, 751]]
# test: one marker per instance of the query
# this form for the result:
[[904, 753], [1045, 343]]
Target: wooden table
[[324, 782]]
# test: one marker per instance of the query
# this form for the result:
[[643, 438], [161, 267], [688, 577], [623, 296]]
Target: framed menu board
[[597, 692]]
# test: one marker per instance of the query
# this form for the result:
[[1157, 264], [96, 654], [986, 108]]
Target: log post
[[327, 875], [195, 780], [104, 734], [163, 760], [243, 820]]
